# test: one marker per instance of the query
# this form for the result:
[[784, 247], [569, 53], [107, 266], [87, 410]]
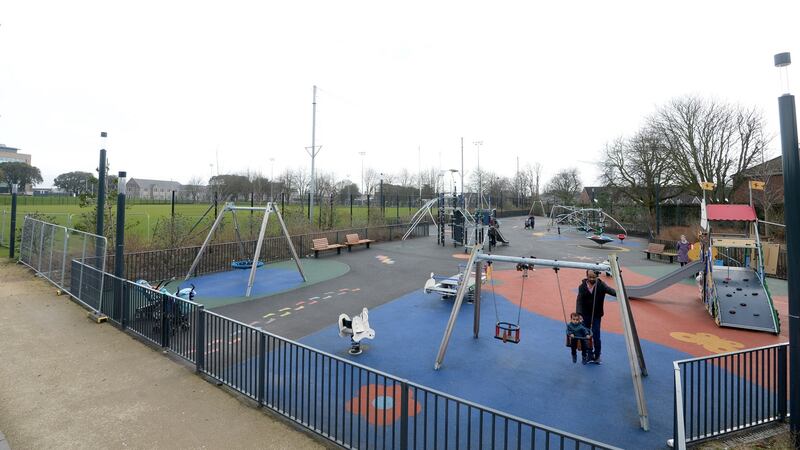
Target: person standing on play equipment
[[683, 247], [591, 296], [579, 335]]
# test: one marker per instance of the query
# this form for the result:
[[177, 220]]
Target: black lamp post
[[13, 234], [791, 192], [658, 205]]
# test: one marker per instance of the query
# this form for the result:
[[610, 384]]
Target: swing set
[[509, 332]]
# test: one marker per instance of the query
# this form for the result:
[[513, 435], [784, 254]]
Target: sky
[[189, 89]]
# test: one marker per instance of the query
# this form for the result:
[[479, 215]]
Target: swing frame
[[630, 335], [270, 208]]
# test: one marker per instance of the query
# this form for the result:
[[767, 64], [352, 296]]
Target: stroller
[[160, 302]]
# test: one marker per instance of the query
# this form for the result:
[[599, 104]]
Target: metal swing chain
[[560, 295], [494, 298], [521, 292]]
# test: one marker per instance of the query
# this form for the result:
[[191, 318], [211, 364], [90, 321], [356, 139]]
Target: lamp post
[[480, 175], [382, 204], [791, 190], [658, 205], [362, 171]]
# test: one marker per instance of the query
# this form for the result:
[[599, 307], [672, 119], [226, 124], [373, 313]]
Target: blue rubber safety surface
[[233, 283], [535, 379]]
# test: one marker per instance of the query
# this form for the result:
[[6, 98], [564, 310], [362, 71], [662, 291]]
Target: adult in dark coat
[[591, 297]]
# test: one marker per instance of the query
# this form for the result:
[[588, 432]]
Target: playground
[[534, 379]]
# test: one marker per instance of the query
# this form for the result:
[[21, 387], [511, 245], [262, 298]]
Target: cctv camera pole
[[791, 191], [119, 260], [13, 234]]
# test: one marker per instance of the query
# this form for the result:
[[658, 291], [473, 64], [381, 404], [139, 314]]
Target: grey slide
[[500, 238], [666, 281]]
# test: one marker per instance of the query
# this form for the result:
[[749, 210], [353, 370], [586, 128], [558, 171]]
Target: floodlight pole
[[119, 269], [480, 175], [791, 192], [313, 154]]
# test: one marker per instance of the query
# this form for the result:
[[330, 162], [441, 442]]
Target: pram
[[160, 302]]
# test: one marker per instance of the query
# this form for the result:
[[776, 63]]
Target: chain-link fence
[[72, 260]]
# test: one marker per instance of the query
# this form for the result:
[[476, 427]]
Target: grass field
[[142, 219]]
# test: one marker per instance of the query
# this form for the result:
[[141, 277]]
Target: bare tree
[[565, 186], [404, 178], [533, 176], [636, 166], [194, 189], [709, 141], [371, 180]]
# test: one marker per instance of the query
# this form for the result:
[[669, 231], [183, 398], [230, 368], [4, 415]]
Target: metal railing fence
[[347, 403], [64, 256], [168, 263], [720, 394]]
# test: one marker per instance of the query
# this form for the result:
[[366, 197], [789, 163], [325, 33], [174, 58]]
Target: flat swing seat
[[507, 332], [245, 264]]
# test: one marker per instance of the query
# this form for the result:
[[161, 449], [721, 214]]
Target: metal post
[[367, 209], [791, 190], [782, 387], [200, 342], [351, 210], [476, 322], [119, 256], [313, 156], [257, 253], [13, 232], [262, 368], [658, 206], [173, 204], [101, 190], [404, 398]]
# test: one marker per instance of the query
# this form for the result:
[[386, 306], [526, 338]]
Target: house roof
[[772, 167], [731, 212]]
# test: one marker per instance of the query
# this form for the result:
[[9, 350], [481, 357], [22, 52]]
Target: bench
[[352, 239], [658, 249], [321, 245]]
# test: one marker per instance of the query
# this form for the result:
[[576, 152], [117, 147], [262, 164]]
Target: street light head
[[782, 62], [103, 134], [783, 59]]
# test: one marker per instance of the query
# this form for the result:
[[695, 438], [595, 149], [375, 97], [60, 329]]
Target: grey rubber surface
[[743, 301], [666, 281], [390, 270]]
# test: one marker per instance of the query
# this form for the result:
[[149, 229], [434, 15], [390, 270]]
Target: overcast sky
[[177, 83]]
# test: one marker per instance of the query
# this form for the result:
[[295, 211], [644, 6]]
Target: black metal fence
[[167, 263], [720, 394]]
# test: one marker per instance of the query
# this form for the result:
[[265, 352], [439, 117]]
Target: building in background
[[11, 154], [141, 188]]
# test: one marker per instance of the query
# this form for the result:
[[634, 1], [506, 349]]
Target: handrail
[[679, 432], [737, 352]]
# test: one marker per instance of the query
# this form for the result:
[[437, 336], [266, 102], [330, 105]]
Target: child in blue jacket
[[578, 335]]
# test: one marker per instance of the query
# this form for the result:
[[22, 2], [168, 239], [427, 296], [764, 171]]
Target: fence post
[[782, 384], [262, 362], [403, 415], [166, 311], [367, 209], [200, 340]]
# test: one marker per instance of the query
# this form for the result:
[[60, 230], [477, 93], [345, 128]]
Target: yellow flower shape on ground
[[710, 342]]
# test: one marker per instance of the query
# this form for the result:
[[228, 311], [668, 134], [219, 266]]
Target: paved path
[[68, 383]]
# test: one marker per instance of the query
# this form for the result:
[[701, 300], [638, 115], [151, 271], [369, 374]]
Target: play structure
[[244, 262], [532, 211], [510, 332], [586, 220], [447, 287], [466, 228], [356, 329], [735, 291]]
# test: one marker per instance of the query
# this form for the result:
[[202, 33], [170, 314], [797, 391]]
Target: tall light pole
[[480, 175], [313, 151], [791, 185], [271, 177], [362, 171]]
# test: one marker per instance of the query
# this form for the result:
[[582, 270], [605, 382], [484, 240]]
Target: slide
[[500, 238], [666, 281]]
